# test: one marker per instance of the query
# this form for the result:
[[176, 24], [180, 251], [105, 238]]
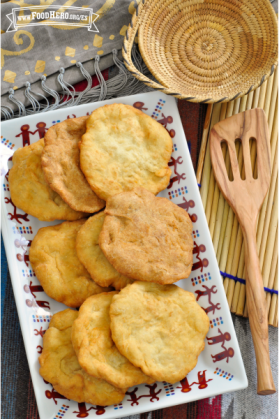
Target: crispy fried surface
[[60, 367], [147, 238], [54, 260], [92, 257], [30, 191], [159, 328], [124, 148], [60, 163], [95, 349]]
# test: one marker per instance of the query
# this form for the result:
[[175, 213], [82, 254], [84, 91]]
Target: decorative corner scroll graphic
[[70, 16]]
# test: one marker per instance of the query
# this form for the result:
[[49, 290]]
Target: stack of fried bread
[[119, 265]]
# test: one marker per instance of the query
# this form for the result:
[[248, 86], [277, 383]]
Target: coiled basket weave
[[204, 50]]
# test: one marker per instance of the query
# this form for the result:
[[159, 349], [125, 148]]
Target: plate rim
[[13, 268]]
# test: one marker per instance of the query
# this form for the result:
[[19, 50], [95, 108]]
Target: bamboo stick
[[273, 100], [256, 98], [271, 280], [206, 174], [271, 277], [204, 141], [215, 202], [274, 160], [213, 212], [215, 118], [242, 293], [250, 100], [267, 251], [245, 312], [276, 315], [261, 102], [274, 300], [268, 94], [269, 210], [262, 95]]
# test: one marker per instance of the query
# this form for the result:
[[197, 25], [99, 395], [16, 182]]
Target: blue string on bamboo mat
[[242, 281]]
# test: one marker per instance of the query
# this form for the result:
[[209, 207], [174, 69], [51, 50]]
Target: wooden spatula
[[246, 198]]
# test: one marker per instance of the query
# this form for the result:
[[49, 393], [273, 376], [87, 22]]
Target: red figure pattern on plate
[[177, 179], [207, 292], [198, 249], [140, 106], [152, 394], [171, 132], [33, 288], [186, 205], [202, 263], [212, 308], [41, 129], [15, 216], [165, 120], [25, 135], [202, 382], [221, 338], [54, 395], [174, 162], [83, 412], [40, 332], [226, 354], [23, 258], [39, 349], [22, 243]]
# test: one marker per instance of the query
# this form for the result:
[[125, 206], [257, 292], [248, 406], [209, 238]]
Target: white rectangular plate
[[220, 368]]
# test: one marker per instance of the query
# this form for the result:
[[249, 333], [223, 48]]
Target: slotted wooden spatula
[[246, 198]]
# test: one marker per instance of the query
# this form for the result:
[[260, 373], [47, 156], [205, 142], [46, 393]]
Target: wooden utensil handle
[[257, 314]]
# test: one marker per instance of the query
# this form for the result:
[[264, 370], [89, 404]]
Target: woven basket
[[204, 50]]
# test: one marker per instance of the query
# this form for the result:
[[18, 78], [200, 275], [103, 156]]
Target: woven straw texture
[[204, 50]]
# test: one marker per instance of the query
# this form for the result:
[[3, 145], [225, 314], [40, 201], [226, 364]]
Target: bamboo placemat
[[224, 228]]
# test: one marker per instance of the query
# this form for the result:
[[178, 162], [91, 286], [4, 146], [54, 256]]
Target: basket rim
[[218, 95]]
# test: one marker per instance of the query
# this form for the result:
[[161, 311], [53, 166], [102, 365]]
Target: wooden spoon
[[246, 198]]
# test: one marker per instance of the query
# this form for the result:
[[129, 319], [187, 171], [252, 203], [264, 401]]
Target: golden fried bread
[[96, 351], [60, 367], [124, 148], [54, 259], [159, 328], [92, 257], [29, 190], [147, 238], [60, 163]]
